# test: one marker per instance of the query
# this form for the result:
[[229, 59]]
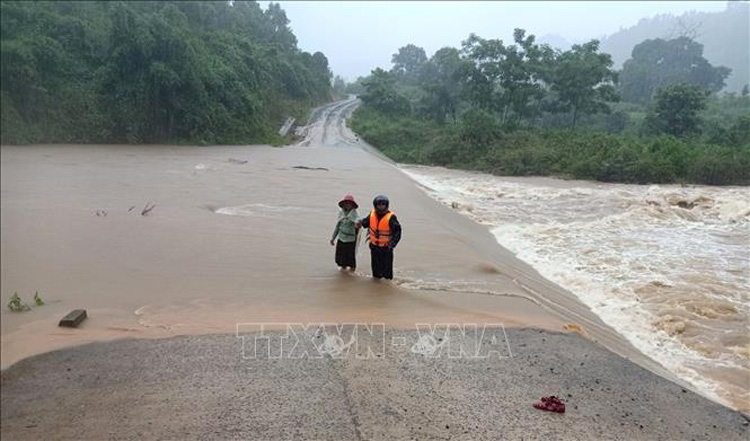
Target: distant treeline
[[153, 72], [528, 109]]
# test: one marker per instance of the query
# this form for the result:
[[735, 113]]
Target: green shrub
[[721, 166], [477, 143]]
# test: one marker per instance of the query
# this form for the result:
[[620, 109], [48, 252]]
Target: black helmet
[[380, 198]]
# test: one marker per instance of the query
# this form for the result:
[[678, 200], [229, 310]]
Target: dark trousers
[[346, 254], [382, 262]]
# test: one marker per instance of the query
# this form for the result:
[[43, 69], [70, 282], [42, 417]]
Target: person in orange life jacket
[[384, 233]]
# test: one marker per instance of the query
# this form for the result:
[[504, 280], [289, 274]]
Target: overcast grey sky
[[358, 36]]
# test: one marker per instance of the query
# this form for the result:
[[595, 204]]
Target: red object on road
[[551, 404]]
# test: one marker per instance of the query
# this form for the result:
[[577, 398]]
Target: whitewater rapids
[[668, 267]]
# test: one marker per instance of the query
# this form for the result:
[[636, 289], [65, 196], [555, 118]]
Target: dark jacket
[[392, 223]]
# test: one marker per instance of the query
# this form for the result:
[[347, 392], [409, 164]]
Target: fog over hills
[[724, 35]]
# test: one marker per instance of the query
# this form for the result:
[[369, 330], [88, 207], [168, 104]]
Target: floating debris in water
[[304, 167], [147, 208]]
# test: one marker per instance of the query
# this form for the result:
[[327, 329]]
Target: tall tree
[[486, 57], [510, 79], [442, 82], [584, 80], [408, 62], [523, 77], [658, 62], [380, 93], [281, 34]]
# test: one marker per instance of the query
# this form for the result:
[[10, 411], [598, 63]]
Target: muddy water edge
[[230, 241]]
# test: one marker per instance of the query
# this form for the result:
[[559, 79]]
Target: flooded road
[[240, 234]]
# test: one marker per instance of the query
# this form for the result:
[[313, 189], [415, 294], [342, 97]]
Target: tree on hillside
[[658, 62], [317, 64], [281, 34], [583, 80], [486, 56], [339, 86], [356, 88], [677, 109], [380, 93], [441, 80], [408, 62], [725, 36], [508, 79], [525, 75]]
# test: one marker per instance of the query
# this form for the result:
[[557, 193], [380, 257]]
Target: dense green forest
[[153, 72], [522, 108]]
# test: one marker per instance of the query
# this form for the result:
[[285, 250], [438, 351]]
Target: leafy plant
[[16, 305], [677, 108], [38, 300]]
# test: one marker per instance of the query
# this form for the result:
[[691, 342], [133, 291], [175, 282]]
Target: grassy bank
[[476, 142]]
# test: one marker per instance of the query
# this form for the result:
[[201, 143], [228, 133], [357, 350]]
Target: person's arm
[[364, 222], [395, 231], [336, 231]]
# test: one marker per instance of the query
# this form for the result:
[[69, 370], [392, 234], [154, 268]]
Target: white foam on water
[[251, 210], [457, 286], [206, 167], [668, 267]]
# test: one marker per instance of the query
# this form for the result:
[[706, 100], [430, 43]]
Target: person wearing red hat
[[347, 233]]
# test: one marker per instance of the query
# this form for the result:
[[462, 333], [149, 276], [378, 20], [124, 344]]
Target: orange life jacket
[[380, 229]]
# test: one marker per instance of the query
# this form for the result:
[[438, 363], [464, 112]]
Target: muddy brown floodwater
[[231, 242]]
